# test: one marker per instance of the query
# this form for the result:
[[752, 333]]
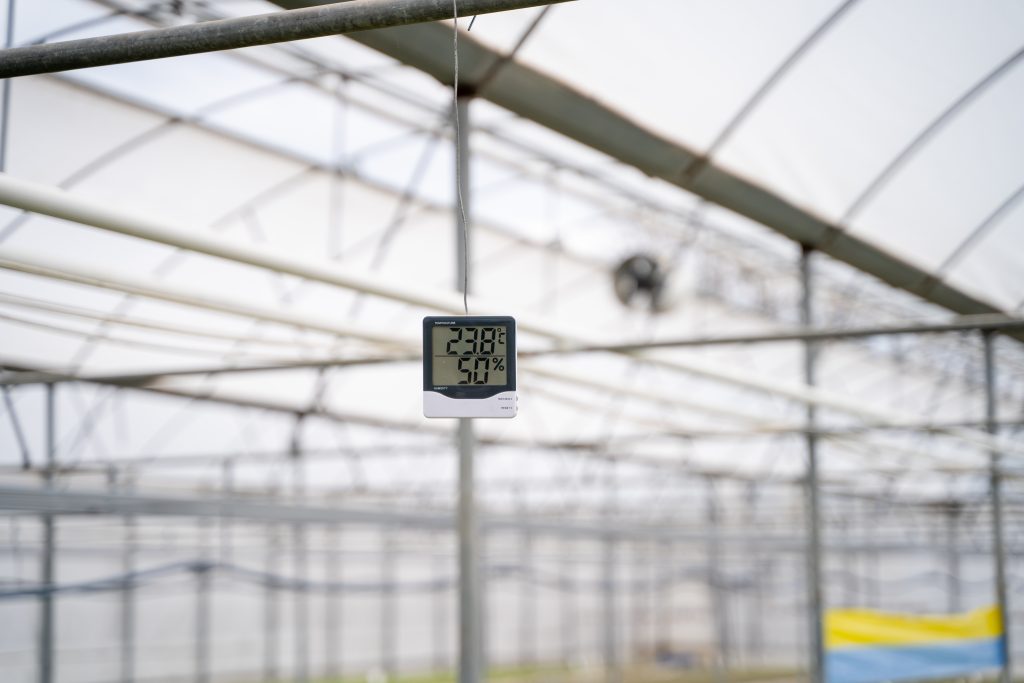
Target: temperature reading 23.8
[[469, 366], [469, 355]]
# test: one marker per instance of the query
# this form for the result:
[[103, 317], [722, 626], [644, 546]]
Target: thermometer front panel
[[469, 366]]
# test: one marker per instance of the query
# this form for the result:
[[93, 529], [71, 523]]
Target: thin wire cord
[[458, 161]]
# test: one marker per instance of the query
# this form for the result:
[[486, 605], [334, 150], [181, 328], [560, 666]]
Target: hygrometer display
[[470, 355], [469, 366]]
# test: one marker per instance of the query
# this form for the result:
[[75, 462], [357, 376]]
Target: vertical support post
[[719, 604], [5, 115], [610, 620], [568, 603], [388, 617], [654, 578], [995, 484], [874, 571], [755, 618], [952, 512], [123, 617], [201, 631], [470, 612], [666, 587], [849, 563], [46, 578], [127, 626], [609, 630], [765, 569], [227, 485], [332, 611], [442, 595], [471, 637], [816, 644], [301, 596], [639, 572], [271, 605], [527, 610], [862, 532]]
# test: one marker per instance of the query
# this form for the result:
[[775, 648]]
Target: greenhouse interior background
[[766, 261]]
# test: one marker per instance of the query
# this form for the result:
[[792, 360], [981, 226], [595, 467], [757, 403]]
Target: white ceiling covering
[[871, 82]]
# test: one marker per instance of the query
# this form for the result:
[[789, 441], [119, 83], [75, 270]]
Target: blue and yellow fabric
[[865, 646]]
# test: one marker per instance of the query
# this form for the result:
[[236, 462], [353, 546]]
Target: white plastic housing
[[503, 405]]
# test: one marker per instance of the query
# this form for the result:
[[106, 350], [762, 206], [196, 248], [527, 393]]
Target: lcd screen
[[470, 355]]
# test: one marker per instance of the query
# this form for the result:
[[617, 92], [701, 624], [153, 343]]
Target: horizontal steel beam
[[969, 323], [230, 34], [987, 322], [78, 503], [597, 450], [143, 380]]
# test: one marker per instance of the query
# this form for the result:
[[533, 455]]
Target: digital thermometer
[[469, 366]]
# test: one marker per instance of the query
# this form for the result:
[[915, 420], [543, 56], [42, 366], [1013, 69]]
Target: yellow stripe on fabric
[[864, 628]]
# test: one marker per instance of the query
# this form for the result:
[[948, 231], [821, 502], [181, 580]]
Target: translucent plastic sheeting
[[834, 120]]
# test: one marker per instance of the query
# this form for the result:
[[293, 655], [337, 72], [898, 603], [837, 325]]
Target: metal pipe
[[715, 582], [654, 578], [663, 619], [996, 492], [527, 601], [201, 631], [952, 513], [849, 580], [300, 601], [40, 198], [609, 612], [227, 488], [147, 379], [613, 672], [591, 450], [271, 608], [46, 267], [46, 578], [961, 324], [333, 647], [470, 612], [441, 605], [471, 623], [230, 34], [143, 378], [5, 112], [755, 616], [33, 501], [388, 607], [763, 568], [569, 619], [127, 625], [811, 484]]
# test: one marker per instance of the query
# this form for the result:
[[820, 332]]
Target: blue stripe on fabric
[[876, 664]]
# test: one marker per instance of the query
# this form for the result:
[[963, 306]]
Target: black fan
[[640, 282]]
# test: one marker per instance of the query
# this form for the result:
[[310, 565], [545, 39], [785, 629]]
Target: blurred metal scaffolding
[[332, 542]]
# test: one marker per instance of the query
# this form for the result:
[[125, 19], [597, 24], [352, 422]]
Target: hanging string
[[458, 160]]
